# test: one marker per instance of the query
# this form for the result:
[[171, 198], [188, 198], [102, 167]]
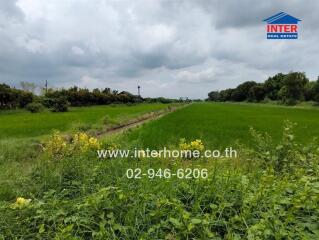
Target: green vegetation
[[288, 88], [59, 189], [59, 99], [221, 125], [20, 123], [34, 107]]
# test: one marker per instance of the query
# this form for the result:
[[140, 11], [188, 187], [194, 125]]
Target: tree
[[12, 98], [214, 96], [316, 91], [294, 87], [241, 92], [225, 95], [25, 98], [273, 85], [310, 91], [256, 93], [5, 97]]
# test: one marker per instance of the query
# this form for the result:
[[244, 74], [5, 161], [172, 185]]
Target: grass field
[[61, 190], [19, 123], [220, 124]]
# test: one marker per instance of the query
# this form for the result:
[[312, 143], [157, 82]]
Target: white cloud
[[77, 50], [170, 48], [187, 76]]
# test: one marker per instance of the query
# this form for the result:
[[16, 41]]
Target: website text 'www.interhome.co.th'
[[228, 152]]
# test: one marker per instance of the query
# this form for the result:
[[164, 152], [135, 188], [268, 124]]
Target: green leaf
[[196, 221], [41, 229], [175, 222]]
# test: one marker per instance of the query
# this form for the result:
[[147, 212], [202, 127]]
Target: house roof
[[282, 18]]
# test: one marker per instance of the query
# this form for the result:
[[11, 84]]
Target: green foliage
[[34, 107], [256, 93], [11, 98], [84, 97], [25, 98], [273, 85], [59, 99], [293, 89], [310, 91], [316, 91], [59, 104], [262, 195], [241, 92], [287, 155], [214, 96], [225, 95], [288, 88]]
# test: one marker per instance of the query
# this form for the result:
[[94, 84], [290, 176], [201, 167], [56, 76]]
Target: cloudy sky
[[171, 48]]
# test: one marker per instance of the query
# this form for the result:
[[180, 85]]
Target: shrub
[[60, 104], [59, 146], [287, 156], [34, 107]]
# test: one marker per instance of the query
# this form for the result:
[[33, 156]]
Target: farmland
[[269, 192], [20, 123], [223, 124]]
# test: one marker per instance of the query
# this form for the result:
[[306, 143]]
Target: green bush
[[60, 104], [56, 104], [34, 107]]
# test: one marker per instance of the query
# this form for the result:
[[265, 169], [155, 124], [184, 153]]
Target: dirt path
[[133, 123]]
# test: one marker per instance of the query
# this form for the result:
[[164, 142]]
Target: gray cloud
[[170, 48], [9, 9]]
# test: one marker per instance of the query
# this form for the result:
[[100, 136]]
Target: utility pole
[[138, 90], [46, 86]]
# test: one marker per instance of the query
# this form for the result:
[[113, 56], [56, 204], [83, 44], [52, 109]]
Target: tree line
[[60, 99], [288, 89]]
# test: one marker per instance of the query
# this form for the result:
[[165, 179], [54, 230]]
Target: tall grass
[[261, 195], [271, 191]]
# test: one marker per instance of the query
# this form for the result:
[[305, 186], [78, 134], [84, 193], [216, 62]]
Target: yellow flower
[[83, 137], [59, 146], [93, 141], [196, 145], [21, 202]]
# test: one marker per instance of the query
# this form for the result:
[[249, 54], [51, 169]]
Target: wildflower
[[94, 143], [196, 145], [20, 203], [56, 145], [59, 146], [83, 137]]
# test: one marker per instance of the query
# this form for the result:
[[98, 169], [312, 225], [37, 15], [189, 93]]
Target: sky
[[171, 48]]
